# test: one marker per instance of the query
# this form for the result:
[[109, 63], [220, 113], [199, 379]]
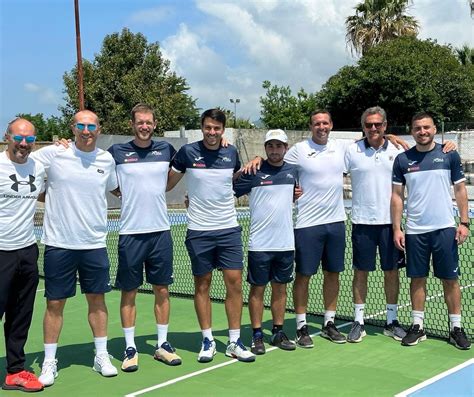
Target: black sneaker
[[279, 339], [302, 337], [257, 347], [356, 333], [414, 335], [332, 333], [458, 338], [394, 330]]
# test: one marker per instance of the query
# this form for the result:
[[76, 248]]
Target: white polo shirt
[[371, 179], [320, 170]]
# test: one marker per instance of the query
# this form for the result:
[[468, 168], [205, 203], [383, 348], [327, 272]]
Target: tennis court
[[379, 366]]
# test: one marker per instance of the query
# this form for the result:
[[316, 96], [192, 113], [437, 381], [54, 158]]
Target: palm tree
[[465, 55], [378, 20]]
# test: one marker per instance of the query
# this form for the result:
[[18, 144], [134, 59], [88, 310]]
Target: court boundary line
[[202, 371], [435, 378]]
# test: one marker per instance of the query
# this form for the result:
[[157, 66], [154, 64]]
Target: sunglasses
[[376, 125], [82, 126], [28, 139]]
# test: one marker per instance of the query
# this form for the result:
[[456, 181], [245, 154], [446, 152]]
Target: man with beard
[[21, 182], [142, 167], [431, 232], [213, 238], [271, 242]]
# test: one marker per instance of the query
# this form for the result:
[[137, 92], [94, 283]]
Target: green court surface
[[379, 366]]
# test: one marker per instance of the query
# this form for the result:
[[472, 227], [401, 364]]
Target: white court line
[[202, 371], [196, 373], [40, 290], [434, 379]]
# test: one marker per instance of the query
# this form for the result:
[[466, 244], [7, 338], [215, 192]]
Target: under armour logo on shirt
[[17, 182]]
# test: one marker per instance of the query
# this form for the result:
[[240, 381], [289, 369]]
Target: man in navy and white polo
[[370, 162], [431, 232], [74, 234], [213, 238], [271, 242], [142, 167]]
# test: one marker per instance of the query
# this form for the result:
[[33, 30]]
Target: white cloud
[[44, 95], [150, 16]]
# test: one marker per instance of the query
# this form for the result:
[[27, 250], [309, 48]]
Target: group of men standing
[[142, 170]]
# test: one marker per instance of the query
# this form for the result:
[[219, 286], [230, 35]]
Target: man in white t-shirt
[[74, 234], [142, 167], [21, 182]]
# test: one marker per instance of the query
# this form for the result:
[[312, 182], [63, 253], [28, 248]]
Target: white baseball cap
[[278, 135]]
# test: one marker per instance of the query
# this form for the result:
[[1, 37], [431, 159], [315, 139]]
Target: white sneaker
[[49, 372], [239, 351], [208, 351], [103, 366]]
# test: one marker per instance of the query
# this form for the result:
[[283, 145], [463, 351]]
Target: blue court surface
[[456, 382]]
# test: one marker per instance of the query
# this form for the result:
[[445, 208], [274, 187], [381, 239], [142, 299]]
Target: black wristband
[[466, 224]]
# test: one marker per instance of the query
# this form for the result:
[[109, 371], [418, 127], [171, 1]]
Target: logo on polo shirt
[[17, 183], [156, 153], [100, 171], [129, 154], [198, 158], [412, 162], [290, 176], [264, 176], [438, 160], [226, 159], [312, 154]]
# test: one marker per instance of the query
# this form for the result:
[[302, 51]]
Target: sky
[[224, 49]]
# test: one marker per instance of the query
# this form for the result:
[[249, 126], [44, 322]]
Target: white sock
[[392, 312], [418, 317], [234, 334], [162, 330], [329, 315], [129, 337], [207, 333], [455, 320], [300, 320], [50, 351], [100, 345], [359, 312]]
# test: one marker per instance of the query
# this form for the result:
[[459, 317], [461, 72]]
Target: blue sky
[[224, 49]]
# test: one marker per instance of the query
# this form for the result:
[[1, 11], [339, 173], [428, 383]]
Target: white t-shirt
[[320, 169], [20, 185], [371, 179], [76, 203]]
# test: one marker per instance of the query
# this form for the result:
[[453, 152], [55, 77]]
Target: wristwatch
[[466, 224]]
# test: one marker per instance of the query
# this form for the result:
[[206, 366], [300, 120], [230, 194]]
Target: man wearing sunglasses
[[21, 182], [74, 233]]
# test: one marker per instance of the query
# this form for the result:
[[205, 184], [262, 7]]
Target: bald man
[[74, 233], [21, 182]]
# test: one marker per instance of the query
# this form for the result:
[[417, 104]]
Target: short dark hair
[[421, 115], [214, 114], [142, 108], [317, 111]]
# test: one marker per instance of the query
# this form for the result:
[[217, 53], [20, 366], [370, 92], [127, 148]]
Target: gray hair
[[373, 110]]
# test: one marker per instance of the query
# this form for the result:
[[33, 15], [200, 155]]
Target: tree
[[376, 21], [281, 109], [126, 71], [404, 76], [47, 128], [465, 55]]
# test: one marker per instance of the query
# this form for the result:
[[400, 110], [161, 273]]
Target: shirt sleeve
[[46, 155], [179, 161], [291, 156], [237, 162], [457, 173], [243, 185], [397, 175]]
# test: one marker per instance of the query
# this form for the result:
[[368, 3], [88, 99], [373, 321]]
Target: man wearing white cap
[[271, 241]]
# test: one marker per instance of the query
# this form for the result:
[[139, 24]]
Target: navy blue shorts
[[366, 239], [265, 266], [62, 265], [320, 243], [441, 245], [152, 250], [215, 249]]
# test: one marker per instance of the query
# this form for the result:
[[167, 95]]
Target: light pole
[[235, 102]]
